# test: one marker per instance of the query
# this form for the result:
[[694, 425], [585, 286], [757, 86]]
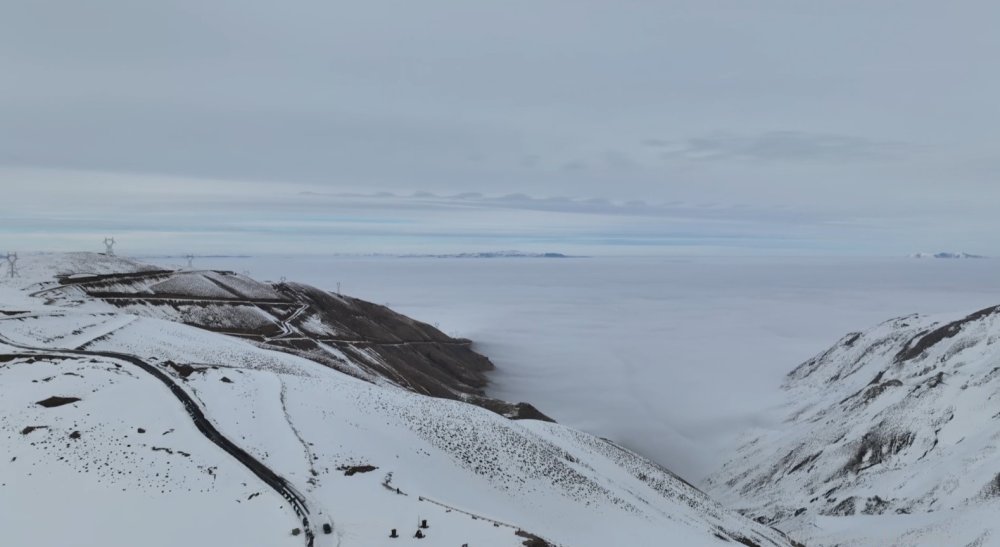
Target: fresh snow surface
[[672, 357], [126, 463], [890, 438]]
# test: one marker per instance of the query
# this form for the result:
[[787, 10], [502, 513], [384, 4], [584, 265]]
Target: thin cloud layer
[[59, 210], [837, 127], [792, 146]]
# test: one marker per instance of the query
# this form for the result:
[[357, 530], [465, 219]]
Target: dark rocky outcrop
[[531, 540], [924, 341], [55, 401], [876, 447], [351, 470], [184, 370]]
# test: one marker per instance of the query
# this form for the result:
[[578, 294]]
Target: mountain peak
[[894, 421]]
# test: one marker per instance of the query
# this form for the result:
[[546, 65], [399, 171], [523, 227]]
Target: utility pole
[[109, 245]]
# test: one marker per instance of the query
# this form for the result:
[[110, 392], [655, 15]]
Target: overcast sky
[[629, 127]]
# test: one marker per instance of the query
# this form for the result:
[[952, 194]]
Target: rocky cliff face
[[901, 421]]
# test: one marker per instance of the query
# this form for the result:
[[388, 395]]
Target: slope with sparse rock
[[891, 437]]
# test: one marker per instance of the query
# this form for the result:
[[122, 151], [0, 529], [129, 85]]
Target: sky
[[590, 127]]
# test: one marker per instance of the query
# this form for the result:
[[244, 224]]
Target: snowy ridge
[[946, 254], [117, 449], [356, 337], [891, 437]]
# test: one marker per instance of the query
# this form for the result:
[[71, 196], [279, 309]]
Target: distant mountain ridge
[[491, 254], [946, 254]]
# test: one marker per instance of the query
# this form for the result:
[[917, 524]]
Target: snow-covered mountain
[[891, 437], [143, 406], [945, 254], [491, 254]]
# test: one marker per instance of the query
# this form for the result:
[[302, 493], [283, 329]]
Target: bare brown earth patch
[[303, 320]]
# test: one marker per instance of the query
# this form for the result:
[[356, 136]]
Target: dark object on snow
[[57, 401], [327, 529], [74, 435], [419, 534], [353, 469], [183, 370], [296, 531], [532, 540], [393, 533], [141, 430], [423, 524], [30, 428], [226, 380]]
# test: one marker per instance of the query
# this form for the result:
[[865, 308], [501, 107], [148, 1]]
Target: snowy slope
[[891, 437], [356, 337], [182, 436]]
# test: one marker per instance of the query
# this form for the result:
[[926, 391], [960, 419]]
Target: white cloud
[[774, 107]]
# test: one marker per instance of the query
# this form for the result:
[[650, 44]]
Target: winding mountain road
[[264, 473]]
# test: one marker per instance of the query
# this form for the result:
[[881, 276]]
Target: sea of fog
[[673, 357]]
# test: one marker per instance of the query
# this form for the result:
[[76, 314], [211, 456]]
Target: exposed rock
[[184, 370], [532, 540], [354, 469], [911, 397], [55, 401], [924, 341]]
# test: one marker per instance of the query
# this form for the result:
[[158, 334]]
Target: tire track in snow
[[305, 446]]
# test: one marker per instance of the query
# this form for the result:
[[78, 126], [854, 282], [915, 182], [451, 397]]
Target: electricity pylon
[[12, 264]]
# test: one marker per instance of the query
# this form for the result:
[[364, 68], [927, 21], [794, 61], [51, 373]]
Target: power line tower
[[12, 265], [190, 259], [109, 245]]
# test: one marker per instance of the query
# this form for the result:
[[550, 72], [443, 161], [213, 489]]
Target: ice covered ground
[[674, 357]]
